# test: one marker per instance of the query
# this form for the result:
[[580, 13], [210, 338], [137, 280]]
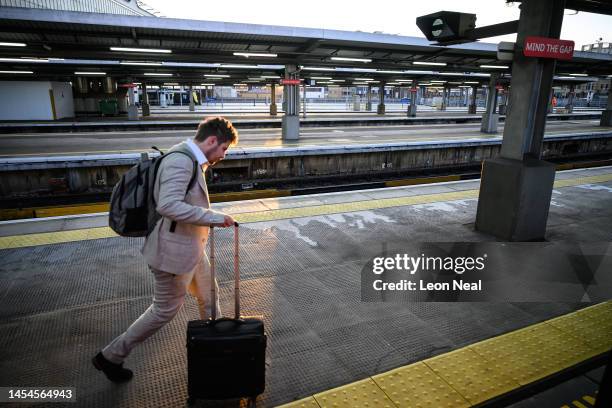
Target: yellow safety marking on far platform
[[589, 399], [287, 213]]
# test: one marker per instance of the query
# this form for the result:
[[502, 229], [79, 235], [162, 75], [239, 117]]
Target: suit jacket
[[178, 252]]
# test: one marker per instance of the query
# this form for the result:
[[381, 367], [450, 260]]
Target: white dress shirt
[[200, 157]]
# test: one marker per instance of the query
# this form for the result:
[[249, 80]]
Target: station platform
[[69, 285], [89, 142]]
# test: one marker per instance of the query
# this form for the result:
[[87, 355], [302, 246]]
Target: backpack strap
[[193, 178]]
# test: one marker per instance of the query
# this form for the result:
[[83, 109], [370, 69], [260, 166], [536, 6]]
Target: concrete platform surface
[[301, 259]]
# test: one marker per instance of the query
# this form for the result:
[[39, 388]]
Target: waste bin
[[109, 107]]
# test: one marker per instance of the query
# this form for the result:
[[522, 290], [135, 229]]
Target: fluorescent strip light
[[363, 79], [24, 60], [207, 84], [89, 73], [337, 80], [11, 44], [456, 83], [438, 82], [351, 59], [157, 74], [16, 72], [389, 72], [270, 76], [139, 63], [322, 78], [360, 83], [393, 83], [441, 64], [254, 54], [318, 69], [579, 75], [171, 83], [217, 75], [495, 66], [240, 66], [451, 73], [160, 51], [471, 82]]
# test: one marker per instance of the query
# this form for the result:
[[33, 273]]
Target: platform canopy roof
[[60, 43]]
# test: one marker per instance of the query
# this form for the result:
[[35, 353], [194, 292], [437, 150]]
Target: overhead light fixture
[[438, 82], [389, 72], [318, 69], [171, 83], [363, 79], [139, 63], [451, 73], [321, 78], [440, 64], [351, 59], [360, 83], [579, 75], [455, 83], [471, 82], [270, 76], [24, 60], [217, 75], [89, 73], [12, 44], [255, 54], [424, 83], [155, 50], [157, 74], [495, 66], [240, 66], [207, 84], [16, 72], [393, 83], [337, 80]]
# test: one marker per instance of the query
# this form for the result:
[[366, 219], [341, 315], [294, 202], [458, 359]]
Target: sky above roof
[[387, 16]]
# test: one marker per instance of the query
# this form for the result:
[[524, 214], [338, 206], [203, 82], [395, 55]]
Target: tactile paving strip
[[532, 353], [593, 325], [470, 375], [364, 393], [417, 386]]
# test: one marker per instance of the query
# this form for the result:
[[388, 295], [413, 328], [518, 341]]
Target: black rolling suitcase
[[226, 356]]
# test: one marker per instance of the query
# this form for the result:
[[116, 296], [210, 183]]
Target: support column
[[273, 107], [444, 102], [191, 101], [516, 187], [412, 108], [380, 110], [606, 116], [304, 100], [570, 99], [132, 109], [490, 118], [369, 99], [503, 103], [472, 107], [146, 108], [356, 101], [550, 107], [291, 96]]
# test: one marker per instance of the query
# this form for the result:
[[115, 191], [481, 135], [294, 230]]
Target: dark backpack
[[132, 206]]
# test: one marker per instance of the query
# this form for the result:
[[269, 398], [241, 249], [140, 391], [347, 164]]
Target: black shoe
[[114, 372]]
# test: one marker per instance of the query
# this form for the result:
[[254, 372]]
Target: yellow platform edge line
[[350, 388], [20, 241]]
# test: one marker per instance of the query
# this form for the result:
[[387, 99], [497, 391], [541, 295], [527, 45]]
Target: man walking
[[174, 250]]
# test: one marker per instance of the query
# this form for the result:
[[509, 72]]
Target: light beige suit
[[176, 259]]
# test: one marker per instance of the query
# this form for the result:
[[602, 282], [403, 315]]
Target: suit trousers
[[168, 298]]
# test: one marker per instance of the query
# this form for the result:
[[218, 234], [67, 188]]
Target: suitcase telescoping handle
[[213, 291]]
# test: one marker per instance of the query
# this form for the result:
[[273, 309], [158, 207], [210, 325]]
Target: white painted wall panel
[[25, 100]]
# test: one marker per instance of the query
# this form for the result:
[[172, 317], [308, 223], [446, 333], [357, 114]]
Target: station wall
[[31, 100]]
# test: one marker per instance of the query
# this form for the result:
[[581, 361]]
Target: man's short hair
[[217, 126]]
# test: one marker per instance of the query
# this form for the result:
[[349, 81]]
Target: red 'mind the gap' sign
[[543, 47], [290, 81]]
